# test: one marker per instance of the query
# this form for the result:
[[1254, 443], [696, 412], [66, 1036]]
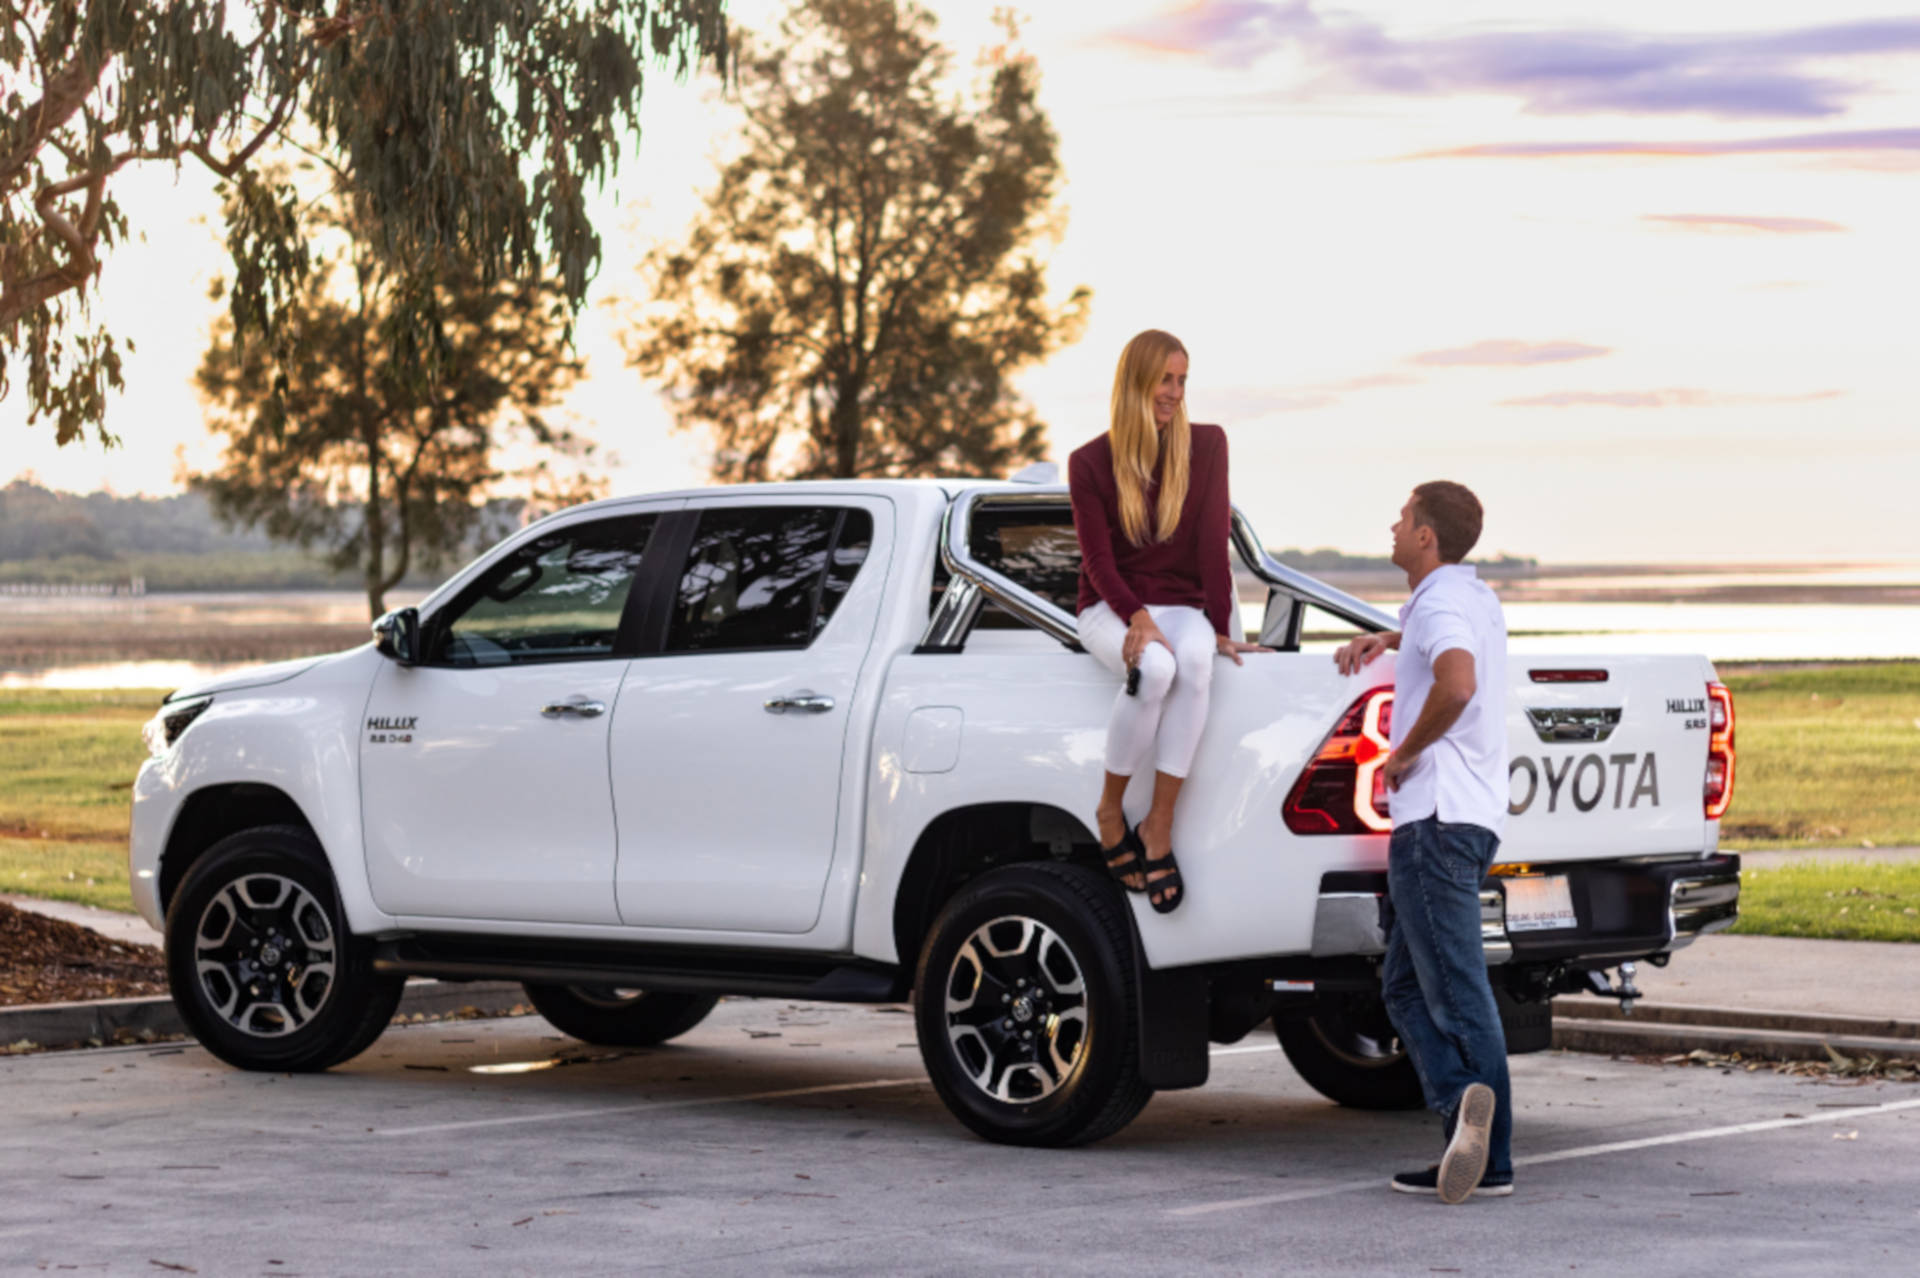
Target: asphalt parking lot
[[803, 1138]]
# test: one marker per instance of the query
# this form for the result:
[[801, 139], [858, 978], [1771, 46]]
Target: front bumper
[[1626, 909]]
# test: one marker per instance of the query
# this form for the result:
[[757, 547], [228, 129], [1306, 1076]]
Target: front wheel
[[1026, 1010], [1347, 1050], [260, 961], [616, 1016]]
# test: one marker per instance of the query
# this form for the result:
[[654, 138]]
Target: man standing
[[1447, 777]]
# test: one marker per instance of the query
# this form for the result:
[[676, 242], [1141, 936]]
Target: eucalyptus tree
[[336, 443], [471, 131], [865, 276]]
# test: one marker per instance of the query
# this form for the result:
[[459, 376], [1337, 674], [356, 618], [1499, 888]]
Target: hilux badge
[[389, 730]]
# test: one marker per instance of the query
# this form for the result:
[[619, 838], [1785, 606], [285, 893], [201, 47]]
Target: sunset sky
[[1643, 275]]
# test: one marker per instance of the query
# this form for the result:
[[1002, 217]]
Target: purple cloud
[[1507, 353], [1370, 381], [1244, 403], [1557, 72], [1847, 141], [1744, 222], [1677, 397]]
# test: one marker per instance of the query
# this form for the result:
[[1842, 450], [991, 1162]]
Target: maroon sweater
[[1189, 568]]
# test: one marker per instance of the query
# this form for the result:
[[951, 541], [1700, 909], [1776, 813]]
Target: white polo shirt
[[1463, 775]]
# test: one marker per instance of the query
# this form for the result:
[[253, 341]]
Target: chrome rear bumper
[[1702, 904], [1655, 906], [1355, 923]]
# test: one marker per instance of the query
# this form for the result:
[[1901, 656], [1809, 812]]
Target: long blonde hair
[[1138, 443]]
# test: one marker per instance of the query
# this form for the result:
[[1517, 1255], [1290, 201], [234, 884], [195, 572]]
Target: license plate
[[1539, 905]]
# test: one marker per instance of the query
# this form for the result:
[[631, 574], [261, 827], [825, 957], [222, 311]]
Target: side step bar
[[490, 958]]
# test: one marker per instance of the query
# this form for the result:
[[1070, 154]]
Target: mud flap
[[1173, 1023]]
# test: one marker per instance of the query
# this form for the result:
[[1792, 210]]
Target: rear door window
[[759, 577]]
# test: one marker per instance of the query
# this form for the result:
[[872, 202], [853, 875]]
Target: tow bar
[[1626, 991]]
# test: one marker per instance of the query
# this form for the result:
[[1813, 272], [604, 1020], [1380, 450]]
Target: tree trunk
[[375, 525], [846, 429]]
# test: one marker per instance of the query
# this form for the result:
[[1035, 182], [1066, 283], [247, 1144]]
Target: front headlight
[[165, 728]]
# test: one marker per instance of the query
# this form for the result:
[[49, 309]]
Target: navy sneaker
[[1428, 1182]]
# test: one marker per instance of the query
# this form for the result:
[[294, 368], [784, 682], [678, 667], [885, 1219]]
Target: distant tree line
[[1326, 559], [175, 543], [178, 543]]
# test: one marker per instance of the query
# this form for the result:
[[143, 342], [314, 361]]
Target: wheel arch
[[211, 814], [963, 843]]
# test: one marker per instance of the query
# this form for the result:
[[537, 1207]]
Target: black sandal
[[1124, 860], [1165, 893]]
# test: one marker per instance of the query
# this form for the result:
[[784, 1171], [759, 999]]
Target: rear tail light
[[1342, 791], [1719, 788]]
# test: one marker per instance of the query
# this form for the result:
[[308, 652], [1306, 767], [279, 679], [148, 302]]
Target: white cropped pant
[[1171, 707]]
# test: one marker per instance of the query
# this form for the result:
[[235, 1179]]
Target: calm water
[[1725, 632]]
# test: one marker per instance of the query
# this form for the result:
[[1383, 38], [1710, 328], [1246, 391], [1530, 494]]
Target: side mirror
[[397, 636]]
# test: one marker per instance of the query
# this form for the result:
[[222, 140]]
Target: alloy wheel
[[1016, 1009], [264, 951]]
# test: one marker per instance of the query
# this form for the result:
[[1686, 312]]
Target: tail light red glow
[[1341, 791], [1719, 786]]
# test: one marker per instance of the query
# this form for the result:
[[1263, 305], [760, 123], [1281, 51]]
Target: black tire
[[260, 961], [610, 1016], [1061, 929], [1347, 1051]]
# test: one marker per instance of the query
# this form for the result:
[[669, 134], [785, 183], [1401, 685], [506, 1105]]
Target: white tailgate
[[1606, 769]]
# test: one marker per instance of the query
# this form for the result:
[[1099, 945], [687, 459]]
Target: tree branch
[[66, 92], [231, 166], [19, 296]]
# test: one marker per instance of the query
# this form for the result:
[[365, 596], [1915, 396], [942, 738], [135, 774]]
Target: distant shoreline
[[1684, 584]]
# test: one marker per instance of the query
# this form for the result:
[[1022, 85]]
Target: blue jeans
[[1435, 975]]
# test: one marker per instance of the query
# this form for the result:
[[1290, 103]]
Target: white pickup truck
[[836, 741]]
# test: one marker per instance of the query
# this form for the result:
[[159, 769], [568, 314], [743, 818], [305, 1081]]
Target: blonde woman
[[1156, 595]]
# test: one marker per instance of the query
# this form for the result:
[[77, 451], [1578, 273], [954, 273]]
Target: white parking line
[[568, 1115], [1558, 1155]]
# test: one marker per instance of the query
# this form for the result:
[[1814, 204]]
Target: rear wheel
[[1026, 1009], [260, 961], [1347, 1050], [619, 1016]]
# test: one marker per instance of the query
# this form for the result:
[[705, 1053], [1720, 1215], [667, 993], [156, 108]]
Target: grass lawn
[[1826, 758], [67, 761], [1839, 900]]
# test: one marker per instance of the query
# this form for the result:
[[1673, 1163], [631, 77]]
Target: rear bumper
[[1626, 909]]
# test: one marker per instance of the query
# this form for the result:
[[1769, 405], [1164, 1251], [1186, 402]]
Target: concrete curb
[[1741, 1018], [59, 1025], [1672, 1028]]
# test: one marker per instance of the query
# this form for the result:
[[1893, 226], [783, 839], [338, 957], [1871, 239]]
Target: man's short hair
[[1454, 514]]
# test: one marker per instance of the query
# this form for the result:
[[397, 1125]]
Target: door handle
[[579, 706], [805, 701]]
